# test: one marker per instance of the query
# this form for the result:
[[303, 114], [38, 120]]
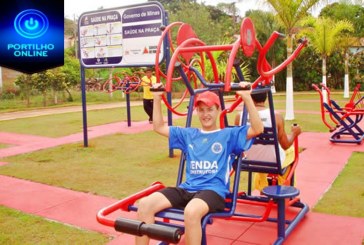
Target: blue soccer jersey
[[208, 162]]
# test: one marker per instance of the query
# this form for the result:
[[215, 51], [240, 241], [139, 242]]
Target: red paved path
[[319, 165]]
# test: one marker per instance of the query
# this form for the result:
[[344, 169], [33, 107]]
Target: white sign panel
[[121, 37]]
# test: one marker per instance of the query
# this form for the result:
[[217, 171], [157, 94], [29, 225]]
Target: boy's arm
[[158, 123], [256, 127], [144, 81], [237, 120], [286, 140]]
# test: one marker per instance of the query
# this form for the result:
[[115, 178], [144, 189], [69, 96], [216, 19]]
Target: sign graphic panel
[[121, 37]]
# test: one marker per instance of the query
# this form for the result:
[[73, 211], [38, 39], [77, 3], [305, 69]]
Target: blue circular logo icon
[[31, 23]]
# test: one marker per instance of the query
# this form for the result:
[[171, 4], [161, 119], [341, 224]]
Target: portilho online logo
[[31, 23]]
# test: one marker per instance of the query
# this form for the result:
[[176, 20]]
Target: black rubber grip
[[163, 233], [159, 89], [158, 232], [237, 87], [129, 226]]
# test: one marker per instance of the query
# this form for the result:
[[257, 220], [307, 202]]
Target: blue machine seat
[[280, 191]]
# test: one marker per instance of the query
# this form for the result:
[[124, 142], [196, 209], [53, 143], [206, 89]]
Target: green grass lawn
[[70, 123], [36, 101], [113, 166], [346, 196], [19, 228]]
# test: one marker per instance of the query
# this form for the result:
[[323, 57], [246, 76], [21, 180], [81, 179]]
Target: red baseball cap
[[209, 98]]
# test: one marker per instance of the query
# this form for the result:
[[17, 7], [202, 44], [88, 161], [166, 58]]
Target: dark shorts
[[179, 198]]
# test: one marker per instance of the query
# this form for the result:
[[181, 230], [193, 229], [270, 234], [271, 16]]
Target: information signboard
[[121, 37]]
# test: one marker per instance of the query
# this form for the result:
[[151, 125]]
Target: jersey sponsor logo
[[216, 148], [203, 167]]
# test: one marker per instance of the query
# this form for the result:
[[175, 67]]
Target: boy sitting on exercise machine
[[207, 163], [267, 152]]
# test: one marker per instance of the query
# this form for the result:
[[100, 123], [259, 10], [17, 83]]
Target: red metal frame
[[322, 108], [342, 117], [124, 204], [264, 69], [359, 103], [113, 85], [165, 33], [349, 109]]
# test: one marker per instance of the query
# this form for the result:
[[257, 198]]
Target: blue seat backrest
[[268, 138]]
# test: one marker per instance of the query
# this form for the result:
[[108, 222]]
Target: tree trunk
[[324, 92], [70, 98], [346, 78], [27, 95], [55, 96], [45, 99], [289, 83]]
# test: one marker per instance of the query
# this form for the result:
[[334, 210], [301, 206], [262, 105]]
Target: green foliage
[[71, 69], [290, 12], [345, 11], [42, 82], [306, 70], [324, 33], [69, 27], [202, 18]]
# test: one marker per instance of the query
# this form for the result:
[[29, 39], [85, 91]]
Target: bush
[[9, 94]]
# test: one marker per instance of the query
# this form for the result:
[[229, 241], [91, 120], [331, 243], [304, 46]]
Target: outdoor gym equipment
[[189, 47], [122, 81], [273, 195], [344, 120], [184, 32]]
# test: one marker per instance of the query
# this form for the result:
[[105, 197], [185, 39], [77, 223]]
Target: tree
[[289, 12], [230, 9], [25, 83], [345, 11], [324, 35], [71, 71], [42, 83], [209, 30], [355, 14], [57, 82]]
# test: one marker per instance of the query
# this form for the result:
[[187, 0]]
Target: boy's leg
[[147, 208], [145, 107], [148, 108], [203, 202], [195, 210]]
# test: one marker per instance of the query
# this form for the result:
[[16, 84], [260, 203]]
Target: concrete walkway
[[320, 163]]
